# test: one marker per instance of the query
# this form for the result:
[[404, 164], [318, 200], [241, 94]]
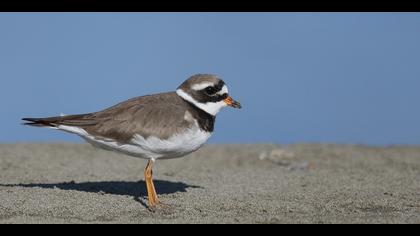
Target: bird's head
[[207, 92]]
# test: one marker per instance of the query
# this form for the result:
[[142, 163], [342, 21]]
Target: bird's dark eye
[[210, 90]]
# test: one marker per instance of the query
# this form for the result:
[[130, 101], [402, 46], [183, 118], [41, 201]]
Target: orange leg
[[151, 192]]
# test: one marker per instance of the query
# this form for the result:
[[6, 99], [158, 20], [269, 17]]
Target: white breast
[[177, 145]]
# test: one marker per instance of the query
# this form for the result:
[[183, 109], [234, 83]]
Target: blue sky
[[301, 77]]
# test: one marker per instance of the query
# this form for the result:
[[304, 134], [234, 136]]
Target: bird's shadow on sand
[[136, 189]]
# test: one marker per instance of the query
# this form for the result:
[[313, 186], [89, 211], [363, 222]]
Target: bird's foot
[[160, 207]]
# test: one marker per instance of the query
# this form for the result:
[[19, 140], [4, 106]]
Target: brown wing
[[159, 115]]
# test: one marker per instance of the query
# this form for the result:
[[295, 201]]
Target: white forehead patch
[[223, 90], [202, 86]]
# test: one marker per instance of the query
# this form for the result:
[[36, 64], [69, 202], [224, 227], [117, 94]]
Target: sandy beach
[[264, 183]]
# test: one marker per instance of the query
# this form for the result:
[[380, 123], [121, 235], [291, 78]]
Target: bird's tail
[[70, 120]]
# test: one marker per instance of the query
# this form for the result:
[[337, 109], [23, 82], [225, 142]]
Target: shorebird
[[158, 126]]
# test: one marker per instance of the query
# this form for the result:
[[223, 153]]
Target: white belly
[[152, 147]]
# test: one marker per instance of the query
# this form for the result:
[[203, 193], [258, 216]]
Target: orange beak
[[230, 102]]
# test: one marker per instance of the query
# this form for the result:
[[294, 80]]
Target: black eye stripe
[[216, 88], [223, 96], [210, 90], [217, 98]]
